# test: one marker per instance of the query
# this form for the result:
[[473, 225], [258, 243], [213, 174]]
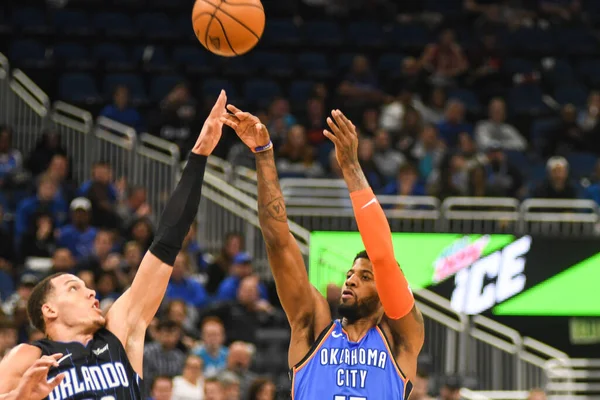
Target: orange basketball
[[228, 28]]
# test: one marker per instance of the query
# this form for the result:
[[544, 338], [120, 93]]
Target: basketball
[[228, 28]]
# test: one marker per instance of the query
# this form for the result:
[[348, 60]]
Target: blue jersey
[[337, 369]]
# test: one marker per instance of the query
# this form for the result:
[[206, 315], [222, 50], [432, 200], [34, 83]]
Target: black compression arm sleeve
[[179, 213]]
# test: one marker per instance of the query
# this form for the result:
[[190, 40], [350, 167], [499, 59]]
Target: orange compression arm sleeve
[[392, 286]]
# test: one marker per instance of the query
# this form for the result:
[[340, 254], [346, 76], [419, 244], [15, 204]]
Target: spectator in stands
[[314, 122], [588, 118], [486, 63], [183, 287], [387, 159], [231, 385], [412, 125], [566, 136], [8, 336], [96, 260], [163, 357], [107, 286], [79, 235], [39, 240], [248, 312], [445, 60], [161, 388], [262, 389], [21, 295], [233, 243], [536, 394], [366, 157], [48, 145], [238, 362], [406, 183], [10, 159], [505, 179], [428, 151], [212, 350], [562, 11], [392, 114], [58, 170], [177, 119], [468, 149], [189, 385], [370, 123], [296, 157], [121, 111], [103, 195], [410, 79], [454, 123], [478, 185], [62, 261], [241, 267], [46, 200], [199, 259], [213, 389], [360, 86], [186, 317], [280, 119], [433, 109], [133, 207], [495, 131], [557, 184], [451, 179], [6, 247], [420, 386]]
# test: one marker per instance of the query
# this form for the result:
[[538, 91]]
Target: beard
[[359, 309]]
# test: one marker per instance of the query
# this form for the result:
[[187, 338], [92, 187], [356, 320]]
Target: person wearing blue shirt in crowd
[[212, 351], [120, 110], [10, 159], [241, 267], [406, 184], [78, 236], [454, 123], [46, 200], [182, 287]]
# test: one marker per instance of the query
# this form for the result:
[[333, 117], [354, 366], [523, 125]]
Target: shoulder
[[14, 365], [25, 351]]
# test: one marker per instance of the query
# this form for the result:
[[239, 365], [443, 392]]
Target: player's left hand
[[34, 385], [344, 137], [212, 128]]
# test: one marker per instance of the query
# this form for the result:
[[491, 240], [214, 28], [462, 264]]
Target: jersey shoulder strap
[[313, 347]]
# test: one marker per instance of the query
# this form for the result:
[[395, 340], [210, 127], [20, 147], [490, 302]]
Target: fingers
[[334, 128], [230, 120], [48, 361], [330, 136], [341, 121], [233, 109], [54, 382], [219, 107], [346, 120]]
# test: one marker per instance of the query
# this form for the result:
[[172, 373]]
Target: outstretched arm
[[402, 316], [131, 314], [302, 304]]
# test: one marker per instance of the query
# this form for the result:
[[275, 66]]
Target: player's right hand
[[345, 138], [212, 128], [247, 126], [34, 384]]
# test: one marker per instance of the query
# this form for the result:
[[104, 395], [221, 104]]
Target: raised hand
[[34, 385], [344, 137], [248, 127], [212, 128]]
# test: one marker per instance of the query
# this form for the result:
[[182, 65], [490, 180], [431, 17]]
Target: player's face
[[359, 294], [73, 304]]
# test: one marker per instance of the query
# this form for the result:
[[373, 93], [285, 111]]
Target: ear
[[49, 312]]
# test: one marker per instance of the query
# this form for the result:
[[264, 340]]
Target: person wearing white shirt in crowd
[[190, 385], [495, 130]]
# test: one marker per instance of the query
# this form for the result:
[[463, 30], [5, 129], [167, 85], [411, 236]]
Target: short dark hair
[[167, 325], [362, 254], [157, 378], [38, 297]]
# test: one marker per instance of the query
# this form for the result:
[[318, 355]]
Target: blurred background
[[478, 124]]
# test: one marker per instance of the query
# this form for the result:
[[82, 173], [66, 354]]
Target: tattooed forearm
[[355, 177], [271, 205]]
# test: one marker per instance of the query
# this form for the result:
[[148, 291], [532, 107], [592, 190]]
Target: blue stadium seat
[[155, 26], [74, 56], [276, 65], [577, 42], [390, 63], [261, 91], [560, 73], [282, 32], [153, 58], [582, 164], [526, 99], [540, 130], [72, 22], [468, 98], [519, 160], [114, 56], [184, 25], [518, 66], [27, 51], [323, 33], [588, 70], [168, 4], [444, 7], [161, 85], [344, 62], [212, 87], [573, 94], [78, 88], [132, 81], [366, 34], [409, 36], [192, 59], [532, 41], [300, 91], [314, 65], [240, 66], [114, 24], [30, 20]]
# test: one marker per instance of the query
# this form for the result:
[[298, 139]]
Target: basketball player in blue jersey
[[371, 353], [101, 355]]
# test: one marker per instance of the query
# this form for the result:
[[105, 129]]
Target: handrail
[[157, 148], [30, 93], [4, 66], [107, 129], [65, 114], [565, 215]]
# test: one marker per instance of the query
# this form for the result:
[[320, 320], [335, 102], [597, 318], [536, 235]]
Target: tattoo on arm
[[355, 177], [271, 205]]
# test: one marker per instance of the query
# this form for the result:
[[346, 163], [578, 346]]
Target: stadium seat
[[573, 94], [133, 82], [261, 91], [161, 85], [114, 24], [72, 23], [390, 64], [300, 91], [192, 59], [240, 66], [532, 41], [168, 4], [30, 20], [282, 32], [519, 160], [153, 58], [276, 65], [514, 66], [212, 87], [27, 51], [560, 72], [540, 130], [314, 65], [366, 34], [114, 57], [73, 56], [444, 7], [582, 164], [78, 88], [323, 33], [526, 99], [409, 36], [588, 70], [155, 26], [577, 42], [344, 62], [468, 98]]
